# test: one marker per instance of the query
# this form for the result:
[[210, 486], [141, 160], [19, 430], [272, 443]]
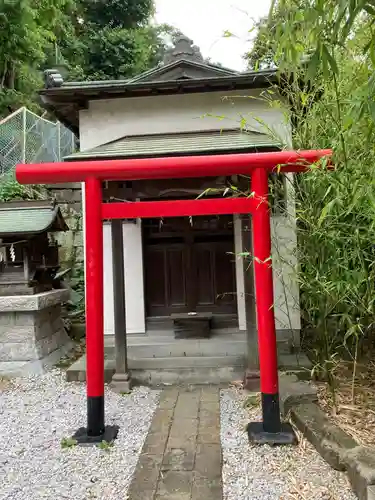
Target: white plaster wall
[[285, 283], [133, 267], [108, 120], [240, 278], [108, 280], [134, 291], [286, 289]]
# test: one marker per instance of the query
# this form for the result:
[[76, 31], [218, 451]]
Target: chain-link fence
[[28, 138]]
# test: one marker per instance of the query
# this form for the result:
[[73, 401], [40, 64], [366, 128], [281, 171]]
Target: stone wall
[[69, 198]]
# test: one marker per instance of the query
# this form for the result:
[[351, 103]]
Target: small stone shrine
[[32, 333]]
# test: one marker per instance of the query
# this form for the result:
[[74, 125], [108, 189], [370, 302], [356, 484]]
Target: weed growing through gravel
[[252, 401], [68, 443], [106, 445]]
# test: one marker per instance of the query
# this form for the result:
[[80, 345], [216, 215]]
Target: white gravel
[[36, 413], [265, 473]]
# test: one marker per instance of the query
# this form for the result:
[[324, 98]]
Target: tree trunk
[[10, 77]]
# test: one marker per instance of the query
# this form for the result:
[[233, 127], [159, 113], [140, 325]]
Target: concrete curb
[[339, 449]]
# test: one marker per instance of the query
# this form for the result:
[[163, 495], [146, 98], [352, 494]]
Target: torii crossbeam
[[92, 173]]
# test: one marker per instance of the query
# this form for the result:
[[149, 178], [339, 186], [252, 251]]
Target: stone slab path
[[181, 458]]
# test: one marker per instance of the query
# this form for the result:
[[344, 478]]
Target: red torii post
[[92, 173]]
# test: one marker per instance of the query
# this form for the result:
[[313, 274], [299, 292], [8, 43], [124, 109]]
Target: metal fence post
[[58, 142], [23, 144]]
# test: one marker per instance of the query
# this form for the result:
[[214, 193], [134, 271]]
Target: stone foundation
[[32, 334]]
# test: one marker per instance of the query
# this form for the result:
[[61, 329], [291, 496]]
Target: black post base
[[257, 434], [84, 439]]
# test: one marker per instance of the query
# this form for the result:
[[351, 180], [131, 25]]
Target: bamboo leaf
[[331, 60], [369, 9], [326, 211]]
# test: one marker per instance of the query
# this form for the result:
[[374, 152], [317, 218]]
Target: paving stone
[[168, 399], [187, 405], [208, 407], [208, 461], [208, 420], [175, 484], [145, 478], [149, 461], [173, 496], [208, 435], [178, 459], [204, 489], [181, 458], [187, 443], [184, 428], [140, 494], [161, 421], [155, 443], [210, 394]]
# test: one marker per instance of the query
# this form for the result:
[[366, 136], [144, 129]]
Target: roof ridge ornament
[[52, 78], [183, 48]]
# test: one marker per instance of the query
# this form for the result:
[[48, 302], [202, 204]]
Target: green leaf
[[313, 64], [326, 211], [369, 9], [59, 275], [331, 60], [68, 442], [371, 108], [76, 297], [243, 254]]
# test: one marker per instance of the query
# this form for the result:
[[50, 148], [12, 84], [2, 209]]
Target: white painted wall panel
[[108, 120], [286, 289], [108, 280], [240, 278], [134, 290], [133, 267]]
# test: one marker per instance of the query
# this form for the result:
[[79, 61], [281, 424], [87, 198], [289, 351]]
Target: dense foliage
[[327, 61], [85, 38]]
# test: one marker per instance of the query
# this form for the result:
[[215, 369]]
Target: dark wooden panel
[[225, 274], [205, 278], [155, 272], [216, 276], [176, 277]]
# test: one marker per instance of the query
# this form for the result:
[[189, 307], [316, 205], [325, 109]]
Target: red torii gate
[[92, 173]]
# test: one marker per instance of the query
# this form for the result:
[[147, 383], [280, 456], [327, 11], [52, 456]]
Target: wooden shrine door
[[189, 265]]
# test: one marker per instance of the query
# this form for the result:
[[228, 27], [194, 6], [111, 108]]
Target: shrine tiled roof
[[30, 217], [223, 141]]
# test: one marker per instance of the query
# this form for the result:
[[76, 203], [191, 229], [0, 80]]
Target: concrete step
[[190, 369], [297, 364], [170, 371], [182, 348], [143, 339], [163, 347], [171, 363]]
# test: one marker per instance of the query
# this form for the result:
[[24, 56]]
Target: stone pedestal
[[32, 334], [121, 383]]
